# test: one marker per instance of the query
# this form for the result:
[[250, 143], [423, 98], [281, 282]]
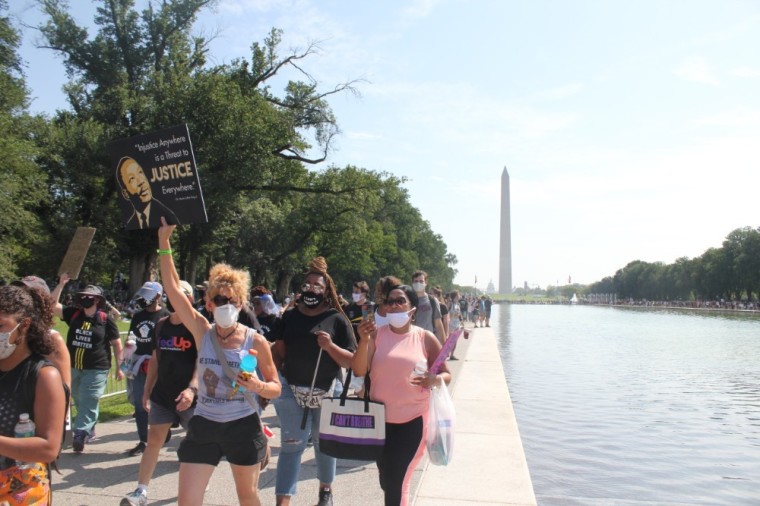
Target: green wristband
[[164, 251]]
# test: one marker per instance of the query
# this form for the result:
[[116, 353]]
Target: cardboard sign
[[75, 255], [156, 176]]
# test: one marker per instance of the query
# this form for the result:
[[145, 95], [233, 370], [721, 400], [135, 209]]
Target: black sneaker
[[137, 450], [77, 442], [325, 497]]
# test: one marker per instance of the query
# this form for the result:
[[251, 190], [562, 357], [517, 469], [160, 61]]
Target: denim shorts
[[240, 441]]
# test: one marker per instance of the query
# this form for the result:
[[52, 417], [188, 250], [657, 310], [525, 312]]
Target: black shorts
[[240, 441]]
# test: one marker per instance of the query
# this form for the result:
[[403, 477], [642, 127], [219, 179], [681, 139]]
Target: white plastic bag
[[440, 426]]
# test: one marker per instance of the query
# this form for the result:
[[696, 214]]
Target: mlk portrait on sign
[[136, 189]]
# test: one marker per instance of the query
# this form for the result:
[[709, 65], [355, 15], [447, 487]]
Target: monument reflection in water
[[632, 406]]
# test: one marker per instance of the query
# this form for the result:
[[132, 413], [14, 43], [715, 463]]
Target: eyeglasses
[[221, 300], [306, 287], [396, 302]]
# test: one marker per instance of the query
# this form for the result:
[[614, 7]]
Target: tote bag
[[352, 428]]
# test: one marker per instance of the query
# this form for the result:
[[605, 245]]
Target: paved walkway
[[488, 467]]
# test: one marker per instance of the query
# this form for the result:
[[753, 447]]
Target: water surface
[[631, 406]]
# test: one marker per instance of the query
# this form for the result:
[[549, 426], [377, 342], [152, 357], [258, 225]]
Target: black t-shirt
[[89, 338], [301, 349], [143, 325], [176, 354], [268, 324]]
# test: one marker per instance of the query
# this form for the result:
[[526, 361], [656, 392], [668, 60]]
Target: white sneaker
[[137, 498]]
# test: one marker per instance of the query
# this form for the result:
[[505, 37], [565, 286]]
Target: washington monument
[[505, 243]]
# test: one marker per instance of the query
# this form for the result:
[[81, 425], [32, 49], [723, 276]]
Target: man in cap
[[92, 333], [142, 327], [169, 393]]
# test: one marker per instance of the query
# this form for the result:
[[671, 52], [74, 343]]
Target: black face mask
[[311, 299], [86, 303], [141, 303]]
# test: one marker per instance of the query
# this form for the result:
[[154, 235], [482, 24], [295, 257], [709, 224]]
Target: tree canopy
[[271, 205]]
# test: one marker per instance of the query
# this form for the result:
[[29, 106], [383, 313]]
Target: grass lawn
[[115, 406]]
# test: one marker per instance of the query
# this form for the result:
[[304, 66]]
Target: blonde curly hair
[[236, 280]]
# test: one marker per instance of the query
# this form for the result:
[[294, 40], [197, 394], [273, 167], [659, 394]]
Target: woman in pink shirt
[[390, 354]]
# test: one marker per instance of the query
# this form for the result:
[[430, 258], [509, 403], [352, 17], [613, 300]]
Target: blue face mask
[[6, 348]]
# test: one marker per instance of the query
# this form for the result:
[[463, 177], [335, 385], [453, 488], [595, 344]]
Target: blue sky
[[631, 130]]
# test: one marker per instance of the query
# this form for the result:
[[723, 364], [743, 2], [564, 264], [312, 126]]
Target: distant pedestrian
[[428, 315], [143, 327], [170, 391], [91, 336]]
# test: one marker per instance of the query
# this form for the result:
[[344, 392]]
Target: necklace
[[224, 338]]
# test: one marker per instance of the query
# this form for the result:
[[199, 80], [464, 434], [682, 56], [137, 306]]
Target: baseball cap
[[92, 290], [33, 282], [149, 291], [186, 288]]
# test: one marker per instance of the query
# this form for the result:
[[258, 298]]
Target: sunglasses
[[396, 302], [306, 287], [221, 300]]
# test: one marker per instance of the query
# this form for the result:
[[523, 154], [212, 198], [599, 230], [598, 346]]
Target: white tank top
[[213, 385]]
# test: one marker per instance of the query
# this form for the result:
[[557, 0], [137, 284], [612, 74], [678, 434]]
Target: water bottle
[[420, 369], [24, 428], [247, 364], [129, 350]]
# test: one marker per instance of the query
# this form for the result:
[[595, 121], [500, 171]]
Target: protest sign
[[75, 255], [156, 176]]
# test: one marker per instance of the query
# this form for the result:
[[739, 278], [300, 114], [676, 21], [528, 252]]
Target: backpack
[[28, 381]]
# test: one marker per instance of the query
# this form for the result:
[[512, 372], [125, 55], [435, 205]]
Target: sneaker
[[325, 497], [137, 450], [90, 436], [77, 442], [137, 498]]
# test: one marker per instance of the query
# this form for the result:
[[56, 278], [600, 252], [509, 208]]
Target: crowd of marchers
[[183, 361]]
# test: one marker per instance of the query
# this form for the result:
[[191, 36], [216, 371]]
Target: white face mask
[[6, 348], [356, 296], [380, 320], [419, 287], [398, 320], [226, 315]]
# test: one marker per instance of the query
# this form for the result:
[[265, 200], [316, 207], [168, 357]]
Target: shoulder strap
[[29, 384], [230, 373], [101, 314]]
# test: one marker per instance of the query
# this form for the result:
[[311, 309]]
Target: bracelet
[[261, 389], [193, 389], [164, 251]]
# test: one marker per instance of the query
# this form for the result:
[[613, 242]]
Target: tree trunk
[[140, 267], [283, 284]]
